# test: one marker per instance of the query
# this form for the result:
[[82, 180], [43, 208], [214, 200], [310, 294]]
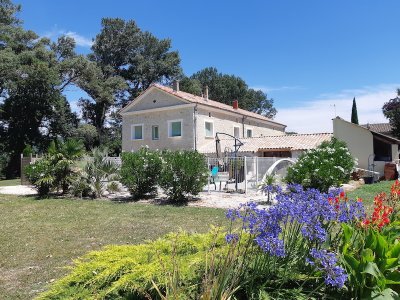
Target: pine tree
[[354, 115]]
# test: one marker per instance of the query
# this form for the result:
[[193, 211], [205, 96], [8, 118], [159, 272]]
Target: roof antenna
[[334, 108]]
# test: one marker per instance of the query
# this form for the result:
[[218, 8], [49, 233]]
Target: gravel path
[[18, 190], [204, 199]]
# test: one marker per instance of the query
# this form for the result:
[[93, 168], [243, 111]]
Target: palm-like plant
[[98, 172]]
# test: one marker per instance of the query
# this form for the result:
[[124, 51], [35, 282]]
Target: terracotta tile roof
[[278, 142], [379, 127], [200, 100]]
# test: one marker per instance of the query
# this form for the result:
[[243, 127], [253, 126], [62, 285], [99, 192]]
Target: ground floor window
[[154, 132], [137, 132], [175, 128]]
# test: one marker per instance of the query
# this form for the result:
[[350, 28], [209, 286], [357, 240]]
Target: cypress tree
[[354, 115]]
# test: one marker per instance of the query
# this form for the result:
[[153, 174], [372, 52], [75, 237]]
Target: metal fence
[[243, 174]]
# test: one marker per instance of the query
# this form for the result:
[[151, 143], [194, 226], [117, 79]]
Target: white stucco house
[[372, 149], [167, 118]]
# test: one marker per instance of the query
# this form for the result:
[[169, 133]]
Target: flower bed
[[309, 245]]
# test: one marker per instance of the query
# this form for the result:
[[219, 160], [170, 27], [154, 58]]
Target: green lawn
[[38, 238], [10, 182], [367, 192]]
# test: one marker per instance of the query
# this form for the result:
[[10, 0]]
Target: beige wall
[[160, 118], [226, 122], [395, 152], [358, 140], [161, 100], [158, 107]]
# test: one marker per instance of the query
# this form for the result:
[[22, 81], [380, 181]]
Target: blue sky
[[312, 57]]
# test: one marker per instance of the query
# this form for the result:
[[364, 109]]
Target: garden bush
[[96, 177], [328, 165], [55, 170], [140, 171], [132, 272], [183, 173]]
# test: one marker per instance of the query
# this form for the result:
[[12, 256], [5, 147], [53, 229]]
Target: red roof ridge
[[210, 102]]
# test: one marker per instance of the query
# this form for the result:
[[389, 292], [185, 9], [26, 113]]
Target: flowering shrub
[[298, 233], [330, 164], [140, 171], [183, 173]]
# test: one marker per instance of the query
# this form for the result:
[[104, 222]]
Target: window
[[249, 133], [175, 128], [154, 132], [137, 132], [236, 131], [209, 128]]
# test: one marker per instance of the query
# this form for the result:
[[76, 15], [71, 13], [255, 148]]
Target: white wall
[[358, 140]]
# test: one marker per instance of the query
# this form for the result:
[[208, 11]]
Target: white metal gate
[[240, 174]]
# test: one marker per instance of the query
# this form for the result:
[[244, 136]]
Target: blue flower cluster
[[327, 263], [308, 208]]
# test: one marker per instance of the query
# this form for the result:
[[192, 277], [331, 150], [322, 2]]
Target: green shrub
[[371, 258], [183, 173], [140, 172], [132, 272], [27, 151], [95, 175], [55, 170], [330, 164], [41, 175]]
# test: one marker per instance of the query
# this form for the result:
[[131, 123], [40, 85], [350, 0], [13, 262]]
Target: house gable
[[152, 98]]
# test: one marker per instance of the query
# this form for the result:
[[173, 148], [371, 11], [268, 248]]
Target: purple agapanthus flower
[[310, 209], [327, 263]]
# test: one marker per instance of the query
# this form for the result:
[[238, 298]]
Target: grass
[[367, 192], [10, 182], [38, 238]]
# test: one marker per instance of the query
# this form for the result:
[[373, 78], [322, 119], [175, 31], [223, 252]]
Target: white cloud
[[316, 115], [267, 89], [79, 39]]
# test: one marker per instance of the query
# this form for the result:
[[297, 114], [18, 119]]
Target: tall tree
[[34, 73], [226, 88], [103, 88], [139, 57], [391, 110], [354, 114]]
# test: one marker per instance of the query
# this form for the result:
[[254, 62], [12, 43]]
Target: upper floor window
[[236, 131], [137, 132], [249, 133], [209, 128], [154, 132], [175, 128]]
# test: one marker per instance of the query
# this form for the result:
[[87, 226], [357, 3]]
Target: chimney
[[205, 93], [175, 85], [235, 104]]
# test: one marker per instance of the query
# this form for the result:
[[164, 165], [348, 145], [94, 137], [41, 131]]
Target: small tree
[[330, 164], [183, 173], [354, 114]]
